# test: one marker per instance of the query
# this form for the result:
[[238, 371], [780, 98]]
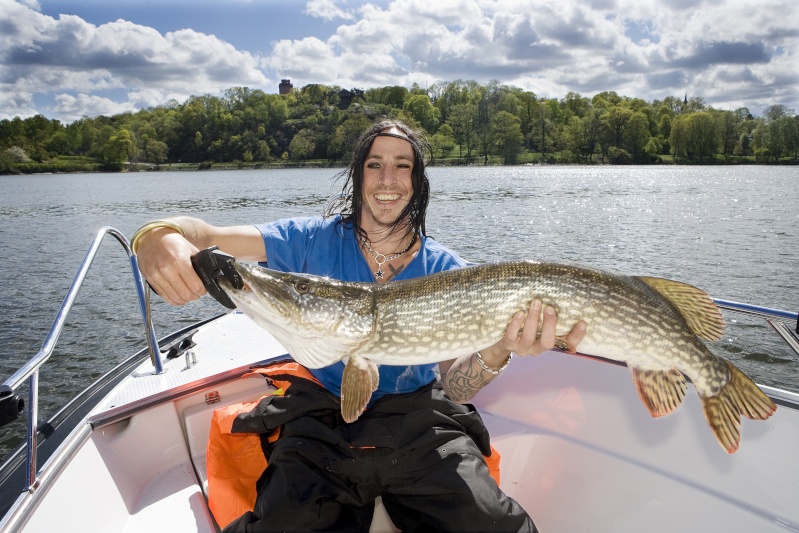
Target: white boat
[[578, 450]]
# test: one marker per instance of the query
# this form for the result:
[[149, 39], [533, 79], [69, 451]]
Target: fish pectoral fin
[[359, 381], [661, 391], [695, 305], [739, 396]]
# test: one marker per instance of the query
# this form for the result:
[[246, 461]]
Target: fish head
[[319, 320]]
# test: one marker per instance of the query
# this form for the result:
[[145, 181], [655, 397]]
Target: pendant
[[378, 273]]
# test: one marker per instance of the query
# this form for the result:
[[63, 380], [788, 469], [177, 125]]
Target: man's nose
[[388, 176]]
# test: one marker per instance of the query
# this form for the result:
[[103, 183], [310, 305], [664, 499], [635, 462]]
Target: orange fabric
[[235, 461], [289, 367], [493, 464]]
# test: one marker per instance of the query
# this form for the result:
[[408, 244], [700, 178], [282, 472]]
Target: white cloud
[[327, 10], [727, 51], [77, 106], [74, 59], [640, 48]]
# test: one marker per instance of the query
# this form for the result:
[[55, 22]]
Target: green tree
[[393, 96], [790, 135], [678, 138], [637, 137], [616, 121], [542, 135], [263, 153], [462, 121], [703, 135], [157, 152], [119, 148], [443, 142], [507, 133], [728, 126], [421, 109], [346, 135], [303, 145]]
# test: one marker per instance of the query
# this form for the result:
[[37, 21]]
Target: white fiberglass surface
[[581, 453]]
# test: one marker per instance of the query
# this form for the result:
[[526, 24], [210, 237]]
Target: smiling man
[[418, 445]]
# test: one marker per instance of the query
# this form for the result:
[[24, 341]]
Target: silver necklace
[[381, 259]]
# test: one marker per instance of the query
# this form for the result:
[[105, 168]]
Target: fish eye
[[302, 287]]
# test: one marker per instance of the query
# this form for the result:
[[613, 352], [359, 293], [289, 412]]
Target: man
[[416, 444]]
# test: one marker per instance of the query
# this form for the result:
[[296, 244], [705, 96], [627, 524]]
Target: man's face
[[387, 185]]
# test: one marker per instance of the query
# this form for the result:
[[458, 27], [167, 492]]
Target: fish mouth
[[263, 294]]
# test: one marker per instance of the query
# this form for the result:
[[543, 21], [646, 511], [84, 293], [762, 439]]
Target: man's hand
[[522, 337], [463, 377], [165, 261]]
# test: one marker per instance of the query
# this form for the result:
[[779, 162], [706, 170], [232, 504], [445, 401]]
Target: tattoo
[[394, 271], [464, 379]]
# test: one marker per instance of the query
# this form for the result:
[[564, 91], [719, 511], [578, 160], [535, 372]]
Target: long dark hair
[[348, 203]]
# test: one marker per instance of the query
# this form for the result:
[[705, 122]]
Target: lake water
[[733, 231]]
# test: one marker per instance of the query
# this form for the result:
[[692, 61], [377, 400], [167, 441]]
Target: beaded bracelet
[[490, 370], [134, 242]]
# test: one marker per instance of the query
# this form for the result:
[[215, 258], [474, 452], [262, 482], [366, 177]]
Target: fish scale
[[651, 324]]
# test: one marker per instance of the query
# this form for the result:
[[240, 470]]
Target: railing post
[[30, 370], [143, 292]]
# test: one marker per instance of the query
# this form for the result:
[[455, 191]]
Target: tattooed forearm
[[464, 379]]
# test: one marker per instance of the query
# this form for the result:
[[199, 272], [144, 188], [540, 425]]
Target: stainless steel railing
[[30, 370], [771, 315]]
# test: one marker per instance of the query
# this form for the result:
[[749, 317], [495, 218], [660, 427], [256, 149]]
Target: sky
[[65, 59]]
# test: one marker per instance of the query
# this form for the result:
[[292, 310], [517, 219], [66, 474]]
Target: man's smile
[[386, 198]]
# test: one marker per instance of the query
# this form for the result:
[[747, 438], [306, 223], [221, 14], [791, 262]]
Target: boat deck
[[578, 449]]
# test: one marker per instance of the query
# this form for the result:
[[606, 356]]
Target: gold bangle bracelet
[[485, 367], [134, 242]]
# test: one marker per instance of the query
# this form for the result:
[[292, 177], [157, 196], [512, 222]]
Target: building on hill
[[285, 87], [346, 97]]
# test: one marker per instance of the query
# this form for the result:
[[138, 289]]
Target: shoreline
[[201, 167]]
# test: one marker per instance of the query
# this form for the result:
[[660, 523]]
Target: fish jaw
[[318, 320]]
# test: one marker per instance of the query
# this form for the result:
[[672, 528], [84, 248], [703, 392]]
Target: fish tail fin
[[661, 391], [359, 381], [739, 396]]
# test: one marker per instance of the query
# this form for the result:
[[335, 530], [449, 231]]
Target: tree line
[[465, 123]]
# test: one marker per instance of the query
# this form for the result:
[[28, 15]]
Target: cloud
[[641, 48], [722, 50], [68, 105], [73, 58], [730, 53], [327, 10]]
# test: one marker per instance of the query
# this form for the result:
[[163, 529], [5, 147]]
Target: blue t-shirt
[[329, 247]]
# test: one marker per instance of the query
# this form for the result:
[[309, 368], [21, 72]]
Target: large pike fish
[[651, 324]]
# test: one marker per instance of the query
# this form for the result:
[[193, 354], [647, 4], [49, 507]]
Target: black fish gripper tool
[[212, 265]]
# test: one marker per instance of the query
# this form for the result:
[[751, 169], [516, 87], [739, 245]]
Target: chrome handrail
[[791, 338], [755, 309], [30, 370]]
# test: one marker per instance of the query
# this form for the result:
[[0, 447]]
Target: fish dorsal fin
[[695, 305], [359, 381]]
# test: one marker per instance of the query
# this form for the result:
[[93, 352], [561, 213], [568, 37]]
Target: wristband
[[155, 224], [484, 366]]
